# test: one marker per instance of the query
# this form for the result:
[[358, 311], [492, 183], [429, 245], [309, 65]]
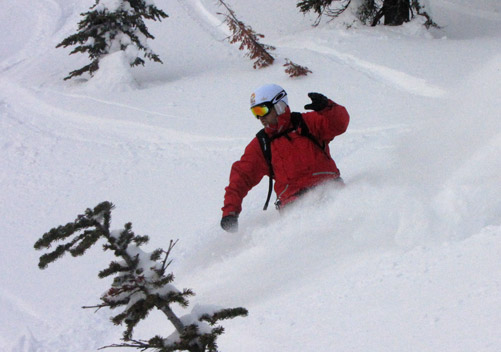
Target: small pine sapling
[[248, 39], [141, 283], [108, 28], [295, 70]]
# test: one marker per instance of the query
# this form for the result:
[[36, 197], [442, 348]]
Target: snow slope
[[404, 258]]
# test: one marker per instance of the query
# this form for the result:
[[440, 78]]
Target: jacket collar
[[283, 123]]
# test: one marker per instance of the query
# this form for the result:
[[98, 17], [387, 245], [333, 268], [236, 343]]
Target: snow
[[404, 258], [110, 5]]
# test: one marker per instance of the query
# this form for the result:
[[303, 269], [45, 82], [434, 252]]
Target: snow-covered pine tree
[[141, 283], [113, 25], [394, 12]]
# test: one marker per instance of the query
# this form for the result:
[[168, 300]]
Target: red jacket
[[297, 162]]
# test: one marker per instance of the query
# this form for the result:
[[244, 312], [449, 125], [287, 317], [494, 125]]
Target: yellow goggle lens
[[260, 111]]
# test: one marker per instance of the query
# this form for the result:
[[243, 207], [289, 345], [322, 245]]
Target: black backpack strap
[[299, 123], [265, 144]]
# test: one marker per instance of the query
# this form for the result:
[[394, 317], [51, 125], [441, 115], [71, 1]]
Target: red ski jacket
[[298, 163]]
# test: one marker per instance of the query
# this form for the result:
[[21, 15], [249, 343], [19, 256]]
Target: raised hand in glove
[[229, 223], [318, 102]]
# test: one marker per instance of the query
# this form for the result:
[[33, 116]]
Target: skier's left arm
[[328, 119]]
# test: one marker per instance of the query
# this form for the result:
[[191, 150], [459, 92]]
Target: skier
[[298, 143]]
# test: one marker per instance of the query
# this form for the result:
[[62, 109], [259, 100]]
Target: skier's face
[[269, 119]]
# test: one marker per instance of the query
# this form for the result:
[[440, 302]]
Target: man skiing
[[298, 143]]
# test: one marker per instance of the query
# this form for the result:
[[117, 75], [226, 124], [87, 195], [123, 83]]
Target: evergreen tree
[[394, 12], [113, 26], [323, 7], [141, 283]]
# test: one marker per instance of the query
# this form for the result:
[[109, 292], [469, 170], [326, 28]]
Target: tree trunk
[[396, 12]]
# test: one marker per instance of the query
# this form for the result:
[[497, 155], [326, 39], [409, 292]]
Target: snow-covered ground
[[405, 258]]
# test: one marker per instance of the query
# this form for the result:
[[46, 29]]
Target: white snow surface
[[406, 257]]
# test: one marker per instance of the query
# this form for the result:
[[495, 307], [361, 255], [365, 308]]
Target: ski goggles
[[261, 110]]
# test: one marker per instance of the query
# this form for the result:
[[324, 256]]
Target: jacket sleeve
[[245, 174], [329, 122]]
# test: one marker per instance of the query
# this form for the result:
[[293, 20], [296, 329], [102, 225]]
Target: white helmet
[[271, 94]]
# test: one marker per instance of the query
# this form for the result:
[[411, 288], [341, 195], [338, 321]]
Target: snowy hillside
[[405, 258]]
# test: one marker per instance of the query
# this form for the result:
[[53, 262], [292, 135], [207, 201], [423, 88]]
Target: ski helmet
[[269, 93]]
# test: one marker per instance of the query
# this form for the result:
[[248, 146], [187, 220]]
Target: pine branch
[[419, 10], [142, 345], [223, 314], [88, 223], [323, 7]]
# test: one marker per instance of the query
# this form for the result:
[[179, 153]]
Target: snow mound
[[114, 75]]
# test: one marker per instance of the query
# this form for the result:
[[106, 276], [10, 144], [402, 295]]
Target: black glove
[[229, 223], [318, 102]]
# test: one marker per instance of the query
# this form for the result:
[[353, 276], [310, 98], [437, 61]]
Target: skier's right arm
[[245, 174]]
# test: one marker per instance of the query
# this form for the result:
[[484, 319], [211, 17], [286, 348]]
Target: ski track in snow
[[18, 304], [383, 74], [106, 126], [201, 15], [45, 18], [120, 105]]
